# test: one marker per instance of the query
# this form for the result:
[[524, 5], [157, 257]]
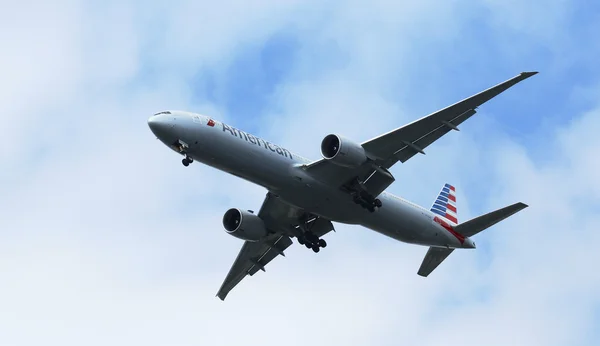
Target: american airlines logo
[[449, 228], [257, 141]]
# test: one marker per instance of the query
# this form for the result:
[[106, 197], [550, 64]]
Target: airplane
[[347, 185]]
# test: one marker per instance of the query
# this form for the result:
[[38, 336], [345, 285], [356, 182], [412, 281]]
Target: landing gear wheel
[[316, 248], [185, 162], [308, 245], [301, 241], [372, 209], [322, 243], [377, 203]]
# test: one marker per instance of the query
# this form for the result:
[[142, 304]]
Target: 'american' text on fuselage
[[257, 141]]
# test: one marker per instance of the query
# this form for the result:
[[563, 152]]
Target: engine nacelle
[[244, 225], [342, 152]]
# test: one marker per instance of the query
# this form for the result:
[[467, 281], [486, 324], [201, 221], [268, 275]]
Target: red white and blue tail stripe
[[445, 204]]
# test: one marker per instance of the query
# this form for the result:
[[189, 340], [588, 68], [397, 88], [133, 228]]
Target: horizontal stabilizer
[[433, 258], [478, 224]]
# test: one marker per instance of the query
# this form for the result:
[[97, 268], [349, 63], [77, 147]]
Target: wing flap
[[439, 130], [378, 181], [271, 251], [320, 227]]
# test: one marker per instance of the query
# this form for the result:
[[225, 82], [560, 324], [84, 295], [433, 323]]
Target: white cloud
[[541, 21], [105, 237]]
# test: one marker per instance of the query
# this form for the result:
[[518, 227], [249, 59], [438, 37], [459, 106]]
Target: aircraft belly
[[252, 163], [404, 223], [319, 198]]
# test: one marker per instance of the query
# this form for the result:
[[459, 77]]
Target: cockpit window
[[165, 112]]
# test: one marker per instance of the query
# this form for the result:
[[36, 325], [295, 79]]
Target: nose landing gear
[[187, 160], [181, 147]]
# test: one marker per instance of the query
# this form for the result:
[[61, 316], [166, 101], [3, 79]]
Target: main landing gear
[[187, 160], [307, 238], [311, 241]]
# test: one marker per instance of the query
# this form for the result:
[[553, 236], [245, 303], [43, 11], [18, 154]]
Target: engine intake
[[244, 225], [342, 151]]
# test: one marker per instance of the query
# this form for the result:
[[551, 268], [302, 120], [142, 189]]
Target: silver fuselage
[[281, 172]]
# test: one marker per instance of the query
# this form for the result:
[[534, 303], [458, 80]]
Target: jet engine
[[342, 151], [244, 225]]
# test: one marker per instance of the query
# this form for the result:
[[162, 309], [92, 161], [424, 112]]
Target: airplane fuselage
[[281, 172]]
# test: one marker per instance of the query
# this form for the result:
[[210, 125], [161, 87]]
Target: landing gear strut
[[181, 147], [310, 240]]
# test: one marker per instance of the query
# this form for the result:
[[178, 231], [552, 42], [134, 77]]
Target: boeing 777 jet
[[347, 185]]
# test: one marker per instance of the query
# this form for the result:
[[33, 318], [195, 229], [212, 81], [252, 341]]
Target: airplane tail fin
[[445, 204], [435, 256]]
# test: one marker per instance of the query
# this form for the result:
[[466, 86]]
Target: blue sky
[[106, 238]]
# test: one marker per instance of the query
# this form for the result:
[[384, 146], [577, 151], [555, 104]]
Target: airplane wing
[[279, 217], [253, 257], [403, 143]]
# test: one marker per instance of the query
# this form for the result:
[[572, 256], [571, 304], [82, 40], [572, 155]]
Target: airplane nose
[[159, 126]]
